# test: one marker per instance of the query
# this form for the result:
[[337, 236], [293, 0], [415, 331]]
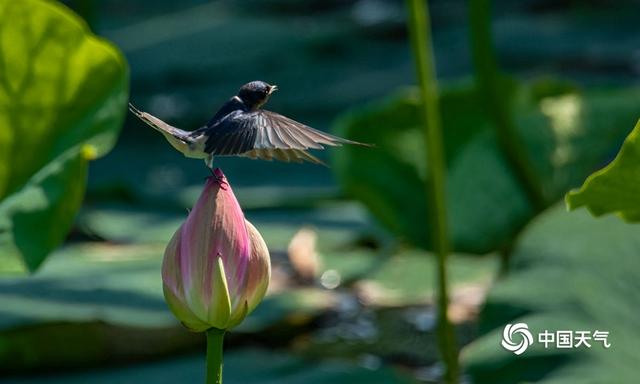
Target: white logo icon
[[526, 338]]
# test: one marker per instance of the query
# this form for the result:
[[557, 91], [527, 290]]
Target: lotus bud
[[216, 268]]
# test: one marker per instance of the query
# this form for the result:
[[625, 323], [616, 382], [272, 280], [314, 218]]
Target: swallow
[[242, 128]]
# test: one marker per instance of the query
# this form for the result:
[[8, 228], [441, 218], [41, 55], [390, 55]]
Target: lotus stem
[[214, 355], [420, 32]]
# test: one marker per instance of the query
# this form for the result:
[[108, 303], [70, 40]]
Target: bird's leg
[[209, 162]]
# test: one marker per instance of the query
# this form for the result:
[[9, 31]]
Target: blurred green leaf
[[128, 224], [567, 135], [246, 366], [300, 306], [408, 278], [574, 133], [570, 272], [35, 219], [338, 223], [615, 188], [62, 97], [388, 178], [88, 282], [90, 298]]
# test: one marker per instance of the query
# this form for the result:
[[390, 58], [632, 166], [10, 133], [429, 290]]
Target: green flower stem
[[420, 30], [214, 355], [497, 101]]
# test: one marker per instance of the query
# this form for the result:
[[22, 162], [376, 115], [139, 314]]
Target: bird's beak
[[273, 88]]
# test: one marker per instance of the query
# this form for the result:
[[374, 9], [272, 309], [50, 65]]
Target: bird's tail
[[160, 126]]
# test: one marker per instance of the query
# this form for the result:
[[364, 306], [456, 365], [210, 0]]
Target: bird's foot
[[218, 177]]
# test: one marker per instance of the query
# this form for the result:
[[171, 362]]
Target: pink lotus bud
[[216, 267]]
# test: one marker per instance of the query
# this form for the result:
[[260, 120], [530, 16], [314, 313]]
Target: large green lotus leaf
[[571, 134], [35, 219], [89, 299], [118, 285], [615, 188], [566, 136], [62, 98], [244, 366], [570, 272], [409, 277]]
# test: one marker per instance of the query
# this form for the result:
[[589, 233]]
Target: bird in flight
[[242, 128]]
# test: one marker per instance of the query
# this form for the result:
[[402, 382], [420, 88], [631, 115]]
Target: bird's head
[[256, 93]]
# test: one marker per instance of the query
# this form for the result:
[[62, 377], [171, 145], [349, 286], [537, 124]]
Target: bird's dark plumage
[[241, 128]]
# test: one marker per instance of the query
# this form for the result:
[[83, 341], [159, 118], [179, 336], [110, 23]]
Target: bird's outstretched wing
[[267, 135]]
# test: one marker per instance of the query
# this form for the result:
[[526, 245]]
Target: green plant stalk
[[420, 32], [497, 103], [214, 355]]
